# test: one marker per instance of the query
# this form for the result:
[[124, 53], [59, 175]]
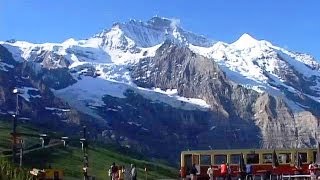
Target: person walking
[[109, 173], [311, 169], [210, 172], [229, 172], [85, 173], [114, 171], [193, 172], [249, 171], [121, 173], [317, 172], [133, 172], [223, 170]]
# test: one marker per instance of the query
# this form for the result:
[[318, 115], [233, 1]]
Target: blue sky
[[291, 24]]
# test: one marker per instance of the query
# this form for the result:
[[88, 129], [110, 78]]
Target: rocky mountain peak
[[163, 23], [155, 31]]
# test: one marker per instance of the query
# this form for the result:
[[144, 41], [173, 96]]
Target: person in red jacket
[[114, 171], [223, 170]]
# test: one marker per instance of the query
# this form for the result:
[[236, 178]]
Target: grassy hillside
[[6, 139], [70, 159], [8, 171]]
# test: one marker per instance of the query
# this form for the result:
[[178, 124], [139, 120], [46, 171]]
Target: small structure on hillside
[[47, 174]]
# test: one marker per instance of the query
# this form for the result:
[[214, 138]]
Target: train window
[[253, 158], [267, 158], [284, 158], [195, 159], [303, 156], [220, 159], [235, 158], [205, 159]]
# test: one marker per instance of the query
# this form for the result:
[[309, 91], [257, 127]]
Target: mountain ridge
[[129, 79]]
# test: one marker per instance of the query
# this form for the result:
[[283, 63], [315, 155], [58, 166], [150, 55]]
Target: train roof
[[222, 151]]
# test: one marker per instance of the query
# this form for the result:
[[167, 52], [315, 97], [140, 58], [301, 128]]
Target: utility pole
[[21, 152], [14, 138], [315, 133], [84, 144], [14, 125], [84, 132], [297, 137], [84, 141]]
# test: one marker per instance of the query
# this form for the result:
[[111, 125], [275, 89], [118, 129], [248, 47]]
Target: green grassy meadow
[[70, 159]]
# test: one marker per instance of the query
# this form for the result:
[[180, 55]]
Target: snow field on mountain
[[25, 93], [4, 66]]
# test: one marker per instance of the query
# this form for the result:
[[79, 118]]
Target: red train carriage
[[260, 160]]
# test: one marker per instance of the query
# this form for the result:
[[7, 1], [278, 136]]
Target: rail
[[304, 176], [35, 149]]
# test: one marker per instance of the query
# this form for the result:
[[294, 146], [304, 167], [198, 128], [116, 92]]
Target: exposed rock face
[[6, 76], [230, 123], [49, 59], [242, 114], [176, 67], [281, 127]]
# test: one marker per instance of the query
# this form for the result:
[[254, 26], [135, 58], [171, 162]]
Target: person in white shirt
[[311, 169], [133, 172], [210, 172]]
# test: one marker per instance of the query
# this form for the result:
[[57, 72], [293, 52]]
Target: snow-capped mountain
[[260, 65], [141, 81], [107, 55]]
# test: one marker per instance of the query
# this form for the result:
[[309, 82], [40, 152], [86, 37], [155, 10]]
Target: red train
[[289, 161]]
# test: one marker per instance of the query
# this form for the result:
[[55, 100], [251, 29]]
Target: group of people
[[225, 172], [118, 172], [314, 171]]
